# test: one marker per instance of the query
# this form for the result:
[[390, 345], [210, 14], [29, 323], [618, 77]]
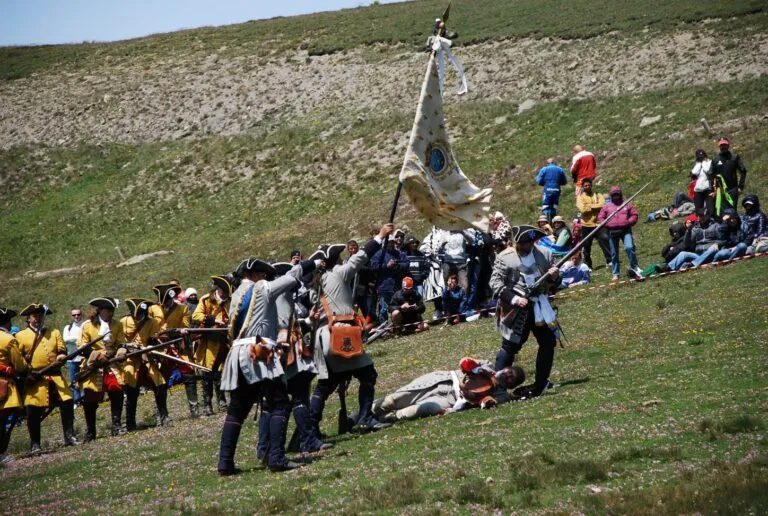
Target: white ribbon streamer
[[442, 48]]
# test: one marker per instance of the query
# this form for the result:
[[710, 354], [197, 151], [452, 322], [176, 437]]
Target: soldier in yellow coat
[[41, 347], [173, 315], [11, 363], [141, 330], [211, 312], [107, 379]]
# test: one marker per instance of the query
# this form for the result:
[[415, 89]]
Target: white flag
[[431, 176]]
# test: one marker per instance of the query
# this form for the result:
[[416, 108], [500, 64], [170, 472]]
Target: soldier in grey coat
[[300, 373], [333, 370], [253, 322], [439, 392], [515, 271]]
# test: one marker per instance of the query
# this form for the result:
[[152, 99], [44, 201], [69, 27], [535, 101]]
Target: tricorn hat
[[35, 308], [164, 291], [223, 283], [525, 234], [136, 305], [282, 267], [6, 314], [105, 302], [255, 265]]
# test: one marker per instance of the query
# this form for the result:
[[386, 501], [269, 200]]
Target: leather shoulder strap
[[327, 308], [38, 339]]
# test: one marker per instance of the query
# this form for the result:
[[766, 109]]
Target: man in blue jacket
[[551, 177]]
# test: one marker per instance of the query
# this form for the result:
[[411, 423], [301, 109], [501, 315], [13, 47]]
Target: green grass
[[408, 23], [591, 445]]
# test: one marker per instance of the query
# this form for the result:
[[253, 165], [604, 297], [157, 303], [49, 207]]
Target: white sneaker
[[638, 272], [615, 277]]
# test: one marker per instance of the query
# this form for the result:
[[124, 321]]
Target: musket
[[82, 375], [573, 251], [78, 351], [180, 361], [174, 331]]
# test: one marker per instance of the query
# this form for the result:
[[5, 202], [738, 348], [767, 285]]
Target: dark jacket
[[412, 298], [754, 224], [388, 280], [677, 245], [453, 300], [728, 164], [700, 239]]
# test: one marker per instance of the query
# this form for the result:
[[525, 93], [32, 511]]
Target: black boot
[[220, 396], [307, 438], [161, 399], [116, 409], [207, 397], [89, 408], [316, 408], [229, 436], [6, 427], [67, 410], [365, 420], [262, 448], [34, 415], [131, 402], [278, 428], [190, 388]]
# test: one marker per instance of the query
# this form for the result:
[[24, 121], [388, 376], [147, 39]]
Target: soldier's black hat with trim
[[105, 302], [35, 308]]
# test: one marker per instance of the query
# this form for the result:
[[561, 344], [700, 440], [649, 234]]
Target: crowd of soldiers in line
[[262, 335]]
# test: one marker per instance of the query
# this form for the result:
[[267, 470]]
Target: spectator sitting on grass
[[574, 272], [698, 239], [543, 224], [681, 206], [406, 308], [561, 232], [454, 299], [754, 224], [671, 250]]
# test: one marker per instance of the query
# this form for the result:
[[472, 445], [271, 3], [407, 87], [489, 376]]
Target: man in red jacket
[[583, 166], [620, 230]]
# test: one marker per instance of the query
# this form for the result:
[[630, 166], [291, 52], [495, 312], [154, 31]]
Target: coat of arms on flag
[[431, 176]]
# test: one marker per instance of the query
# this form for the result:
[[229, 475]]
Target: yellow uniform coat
[[131, 367], [95, 382], [178, 317], [10, 356], [208, 347], [51, 344]]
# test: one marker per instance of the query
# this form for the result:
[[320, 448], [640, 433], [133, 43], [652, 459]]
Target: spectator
[[725, 168], [561, 232], [735, 241], [754, 224], [417, 264], [574, 272], [703, 193], [676, 245], [682, 206], [71, 337], [352, 248], [699, 239], [295, 257], [454, 300], [499, 227], [576, 233], [543, 224], [590, 204], [583, 166], [551, 177], [407, 307], [455, 259], [399, 237], [620, 231], [435, 282], [191, 299], [389, 266]]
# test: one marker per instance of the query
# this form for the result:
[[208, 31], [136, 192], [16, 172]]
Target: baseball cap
[[723, 141], [407, 282]]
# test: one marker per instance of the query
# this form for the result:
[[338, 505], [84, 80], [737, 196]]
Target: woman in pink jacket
[[620, 230]]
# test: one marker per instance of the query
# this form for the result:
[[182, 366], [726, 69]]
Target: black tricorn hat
[[526, 234], [223, 283], [105, 302], [328, 252], [162, 291], [6, 314], [282, 268], [137, 304], [255, 265], [35, 308]]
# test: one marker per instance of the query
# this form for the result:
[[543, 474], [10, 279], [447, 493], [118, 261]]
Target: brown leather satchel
[[4, 389], [257, 352], [477, 388], [346, 341]]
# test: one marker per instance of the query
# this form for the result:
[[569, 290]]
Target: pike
[[72, 355], [180, 361], [509, 316], [82, 375], [174, 331]]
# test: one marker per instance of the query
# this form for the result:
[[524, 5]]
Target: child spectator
[[574, 272], [454, 299]]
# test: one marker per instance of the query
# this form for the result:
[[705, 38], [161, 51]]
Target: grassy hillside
[[186, 142], [406, 23]]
